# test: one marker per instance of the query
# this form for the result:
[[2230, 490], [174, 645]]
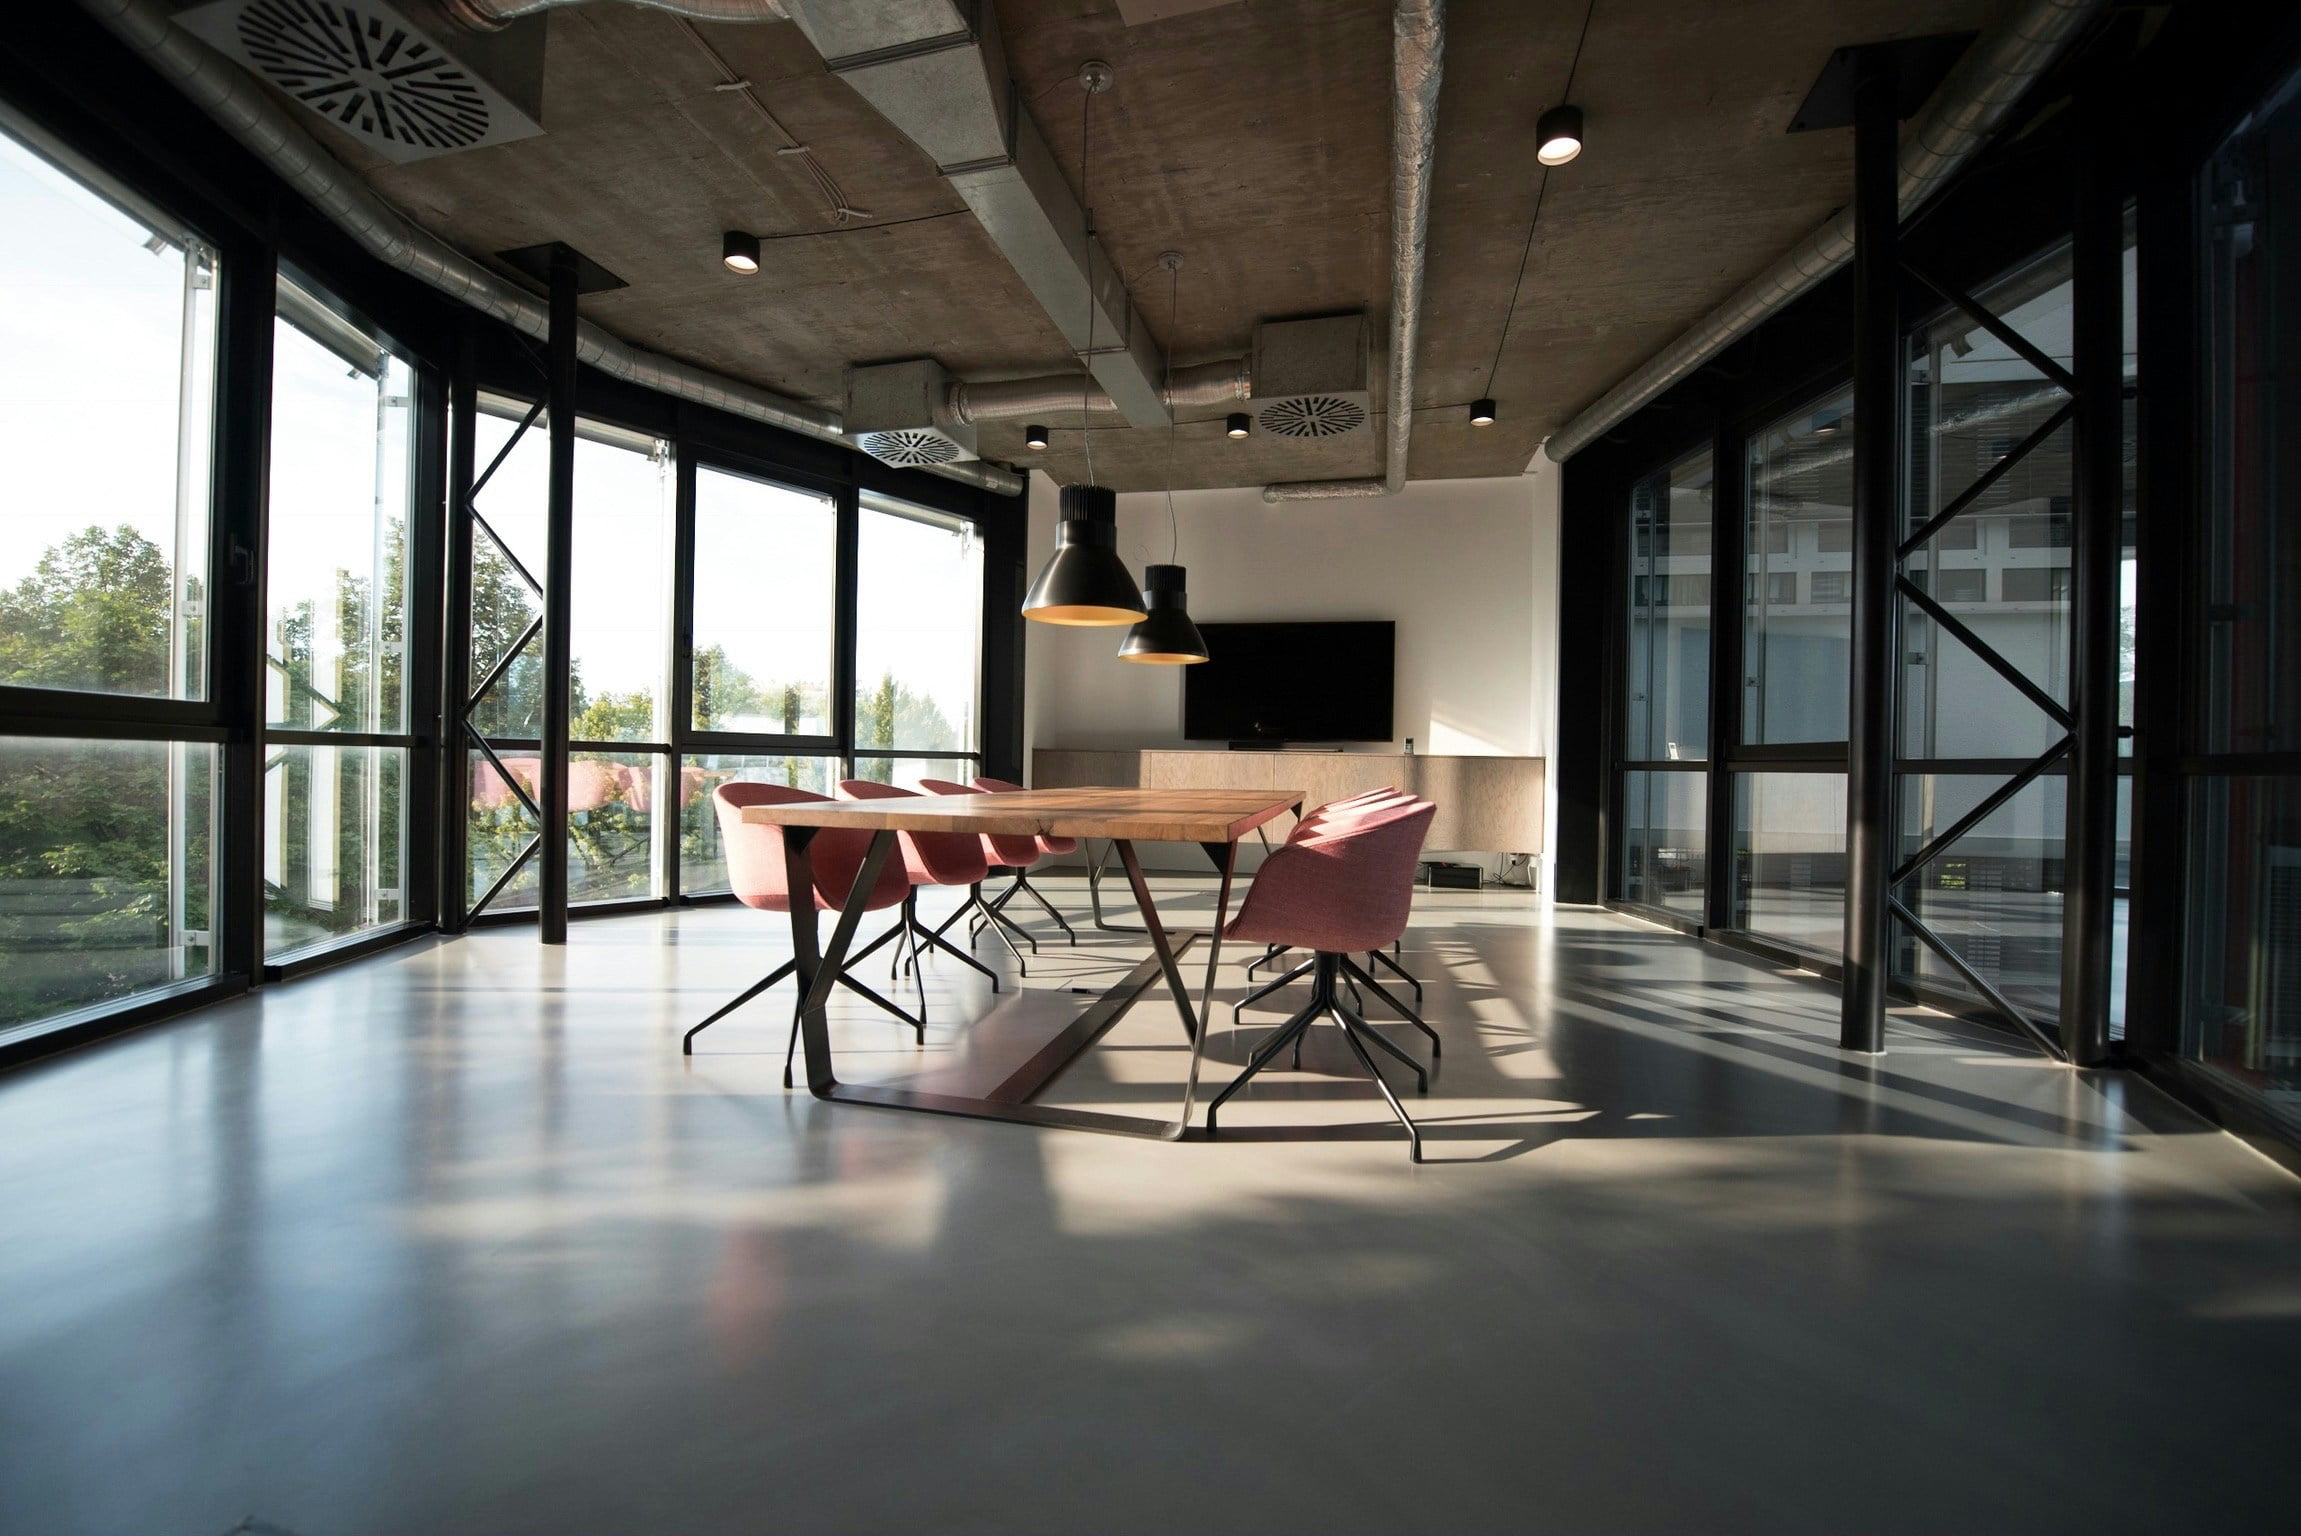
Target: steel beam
[[1873, 664], [2097, 538], [558, 590]]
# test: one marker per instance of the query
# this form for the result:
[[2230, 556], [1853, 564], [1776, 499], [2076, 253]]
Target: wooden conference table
[[1215, 819]]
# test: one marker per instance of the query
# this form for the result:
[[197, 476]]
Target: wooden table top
[[1145, 815]]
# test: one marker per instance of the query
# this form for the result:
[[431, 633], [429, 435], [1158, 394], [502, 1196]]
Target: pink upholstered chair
[[931, 858], [1001, 851], [1343, 886], [1048, 848], [759, 878], [1327, 815]]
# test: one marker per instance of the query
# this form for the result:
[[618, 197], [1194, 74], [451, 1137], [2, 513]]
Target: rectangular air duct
[[379, 76], [895, 413], [1310, 377]]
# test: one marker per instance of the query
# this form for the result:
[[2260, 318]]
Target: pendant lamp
[[1166, 636], [1086, 583]]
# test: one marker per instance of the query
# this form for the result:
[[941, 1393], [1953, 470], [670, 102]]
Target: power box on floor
[[1450, 877]]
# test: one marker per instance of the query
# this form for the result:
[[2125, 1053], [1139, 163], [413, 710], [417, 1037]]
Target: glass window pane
[[107, 393], [106, 871], [498, 825], [1973, 401], [2249, 699], [1790, 858], [336, 552], [611, 800], [1663, 846], [1995, 894], [506, 571], [702, 866], [335, 841], [906, 772], [918, 630], [611, 854], [1669, 628], [2242, 1013], [1800, 497], [621, 617], [766, 584]]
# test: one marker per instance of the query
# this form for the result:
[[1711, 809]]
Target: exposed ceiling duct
[[1980, 90], [937, 70], [1055, 397], [1417, 66], [249, 114]]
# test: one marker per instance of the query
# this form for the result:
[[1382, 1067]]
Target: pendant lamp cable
[[1087, 209], [1540, 192], [1166, 389]]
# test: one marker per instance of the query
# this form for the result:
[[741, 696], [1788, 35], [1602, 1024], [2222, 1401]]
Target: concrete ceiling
[[1253, 137]]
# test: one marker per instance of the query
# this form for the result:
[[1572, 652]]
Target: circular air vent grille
[[1313, 416], [365, 73], [910, 448]]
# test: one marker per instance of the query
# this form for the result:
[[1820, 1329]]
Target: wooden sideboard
[[1485, 804]]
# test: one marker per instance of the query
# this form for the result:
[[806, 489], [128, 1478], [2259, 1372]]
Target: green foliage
[[889, 715], [84, 829], [93, 614]]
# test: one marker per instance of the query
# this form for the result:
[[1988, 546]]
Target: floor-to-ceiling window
[[1666, 706], [2241, 1008], [108, 335], [918, 644], [336, 628], [764, 653]]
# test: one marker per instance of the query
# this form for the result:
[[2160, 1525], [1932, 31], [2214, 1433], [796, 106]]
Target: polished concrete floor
[[455, 1240]]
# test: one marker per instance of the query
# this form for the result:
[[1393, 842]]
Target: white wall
[[1467, 569]]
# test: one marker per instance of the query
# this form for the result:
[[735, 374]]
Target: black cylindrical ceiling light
[[1558, 135], [1086, 583], [1482, 412], [1165, 637], [1035, 438], [739, 252], [1238, 424]]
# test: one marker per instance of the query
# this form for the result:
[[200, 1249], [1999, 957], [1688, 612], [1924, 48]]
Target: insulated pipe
[[1417, 65], [1204, 387], [495, 15], [1981, 89], [244, 110]]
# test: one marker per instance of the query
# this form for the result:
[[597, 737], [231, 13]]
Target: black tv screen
[[1291, 682]]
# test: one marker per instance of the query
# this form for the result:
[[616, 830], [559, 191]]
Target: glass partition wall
[[229, 748], [109, 781], [1758, 851]]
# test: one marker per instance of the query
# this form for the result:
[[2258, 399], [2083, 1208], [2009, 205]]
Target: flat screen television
[[1291, 682]]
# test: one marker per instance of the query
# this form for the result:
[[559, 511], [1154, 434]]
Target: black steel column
[[455, 644], [2089, 906], [1873, 666], [1729, 628], [236, 617], [558, 585]]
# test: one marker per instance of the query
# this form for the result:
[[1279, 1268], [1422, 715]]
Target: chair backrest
[[1345, 886], [1342, 810], [991, 786], [1004, 850], [755, 869], [933, 858]]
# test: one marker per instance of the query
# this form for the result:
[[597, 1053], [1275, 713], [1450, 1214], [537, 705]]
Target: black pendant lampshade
[[1166, 636], [1086, 582]]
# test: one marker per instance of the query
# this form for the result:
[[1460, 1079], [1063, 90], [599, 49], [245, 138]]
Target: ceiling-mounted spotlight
[[739, 251], [1086, 582], [1558, 136], [1482, 413], [1165, 637], [1238, 424], [1035, 437]]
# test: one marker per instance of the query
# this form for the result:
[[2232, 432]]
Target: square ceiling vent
[[1310, 377], [896, 414], [367, 69]]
